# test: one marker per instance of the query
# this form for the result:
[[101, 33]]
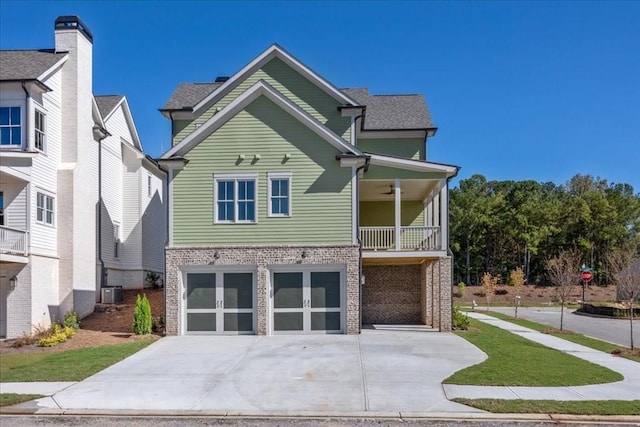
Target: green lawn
[[587, 407], [70, 365], [516, 361], [8, 399], [594, 343]]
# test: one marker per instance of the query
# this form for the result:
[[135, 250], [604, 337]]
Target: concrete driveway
[[379, 371]]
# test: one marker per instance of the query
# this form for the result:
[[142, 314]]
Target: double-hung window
[[39, 131], [235, 198], [10, 127], [45, 209], [279, 184]]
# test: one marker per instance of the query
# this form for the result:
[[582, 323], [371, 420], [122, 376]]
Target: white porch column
[[444, 214], [398, 219], [436, 210]]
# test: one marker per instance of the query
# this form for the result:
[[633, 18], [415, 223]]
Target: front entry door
[[307, 301], [220, 303]]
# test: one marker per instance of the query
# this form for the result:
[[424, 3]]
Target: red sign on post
[[587, 276]]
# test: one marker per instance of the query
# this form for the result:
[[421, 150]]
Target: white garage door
[[220, 303], [308, 301]]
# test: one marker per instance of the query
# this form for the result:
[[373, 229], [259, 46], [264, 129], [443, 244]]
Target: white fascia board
[[54, 67], [413, 165], [234, 107], [132, 125], [272, 52], [97, 117]]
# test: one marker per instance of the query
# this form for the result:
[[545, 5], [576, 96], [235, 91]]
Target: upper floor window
[[234, 198], [149, 186], [279, 184], [39, 131], [10, 127], [45, 209]]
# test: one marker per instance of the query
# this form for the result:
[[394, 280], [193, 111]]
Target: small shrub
[[460, 320], [152, 280], [59, 334], [461, 288], [158, 323], [501, 292], [142, 320], [71, 320]]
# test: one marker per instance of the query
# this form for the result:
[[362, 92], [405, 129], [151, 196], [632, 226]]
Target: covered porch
[[402, 218], [14, 237]]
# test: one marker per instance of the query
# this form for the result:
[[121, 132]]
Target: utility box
[[111, 294]]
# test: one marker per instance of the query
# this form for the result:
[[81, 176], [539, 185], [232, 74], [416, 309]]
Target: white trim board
[[274, 51]]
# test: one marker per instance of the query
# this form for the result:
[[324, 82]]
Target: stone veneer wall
[[261, 257], [391, 294]]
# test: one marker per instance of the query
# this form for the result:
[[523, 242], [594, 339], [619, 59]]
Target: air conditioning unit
[[111, 294]]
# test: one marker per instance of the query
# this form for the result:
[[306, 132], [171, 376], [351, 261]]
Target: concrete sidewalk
[[45, 389], [627, 389]]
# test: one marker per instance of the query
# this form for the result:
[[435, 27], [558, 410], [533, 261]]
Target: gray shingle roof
[[106, 103], [386, 112], [27, 64], [188, 95]]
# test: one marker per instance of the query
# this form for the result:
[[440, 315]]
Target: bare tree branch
[[564, 273]]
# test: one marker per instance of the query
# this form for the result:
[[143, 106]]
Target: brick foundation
[[391, 294]]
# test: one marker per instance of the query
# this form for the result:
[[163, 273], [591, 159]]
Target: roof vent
[[72, 22], [222, 79]]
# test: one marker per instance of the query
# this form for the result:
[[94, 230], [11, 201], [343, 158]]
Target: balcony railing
[[13, 241], [412, 238]]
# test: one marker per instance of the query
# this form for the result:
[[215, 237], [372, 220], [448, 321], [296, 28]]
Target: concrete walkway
[[627, 389]]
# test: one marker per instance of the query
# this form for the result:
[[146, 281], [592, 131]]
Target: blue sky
[[518, 90]]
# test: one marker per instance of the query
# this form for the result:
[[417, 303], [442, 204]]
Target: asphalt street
[[613, 330]]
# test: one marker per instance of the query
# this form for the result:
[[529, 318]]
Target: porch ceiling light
[[216, 255], [13, 282], [304, 254]]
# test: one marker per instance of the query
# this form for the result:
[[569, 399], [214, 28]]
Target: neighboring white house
[[72, 175]]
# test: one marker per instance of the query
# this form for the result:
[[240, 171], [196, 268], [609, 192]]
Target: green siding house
[[298, 207]]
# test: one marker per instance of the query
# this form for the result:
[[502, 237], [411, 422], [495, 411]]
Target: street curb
[[480, 416]]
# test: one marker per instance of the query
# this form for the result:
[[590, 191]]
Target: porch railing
[[411, 239], [13, 241]]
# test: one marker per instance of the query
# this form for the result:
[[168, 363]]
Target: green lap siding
[[409, 148], [321, 189], [306, 95], [382, 214]]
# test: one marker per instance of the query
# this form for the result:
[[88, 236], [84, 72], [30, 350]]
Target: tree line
[[497, 226]]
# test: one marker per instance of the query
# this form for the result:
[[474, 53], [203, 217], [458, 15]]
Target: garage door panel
[[325, 289], [238, 322], [238, 290], [201, 291], [325, 321], [201, 322], [288, 292], [220, 302], [288, 321], [309, 299]]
